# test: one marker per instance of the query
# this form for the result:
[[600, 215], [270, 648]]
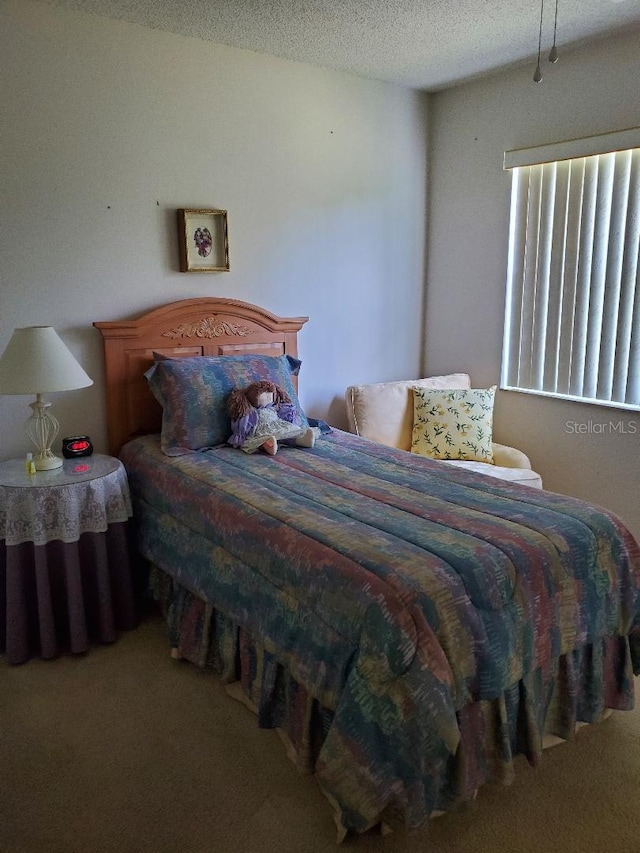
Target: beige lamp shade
[[36, 360]]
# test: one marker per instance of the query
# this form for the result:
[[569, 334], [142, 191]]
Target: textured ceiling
[[429, 44]]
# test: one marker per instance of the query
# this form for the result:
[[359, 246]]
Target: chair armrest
[[510, 457]]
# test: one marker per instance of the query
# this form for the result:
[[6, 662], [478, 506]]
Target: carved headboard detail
[[191, 327]]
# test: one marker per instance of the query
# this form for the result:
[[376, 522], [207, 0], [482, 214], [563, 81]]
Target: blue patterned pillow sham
[[193, 395]]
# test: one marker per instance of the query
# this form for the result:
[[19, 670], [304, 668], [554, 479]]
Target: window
[[572, 321]]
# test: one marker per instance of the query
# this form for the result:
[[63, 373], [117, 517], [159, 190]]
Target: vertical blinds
[[572, 323]]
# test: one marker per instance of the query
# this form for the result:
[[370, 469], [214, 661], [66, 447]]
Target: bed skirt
[[581, 689]]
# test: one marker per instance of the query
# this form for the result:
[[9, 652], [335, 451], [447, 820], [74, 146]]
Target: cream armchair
[[383, 412]]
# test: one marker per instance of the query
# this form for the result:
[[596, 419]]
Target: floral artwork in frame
[[203, 240]]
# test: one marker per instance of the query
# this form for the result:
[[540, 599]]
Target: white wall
[[591, 90], [108, 127]]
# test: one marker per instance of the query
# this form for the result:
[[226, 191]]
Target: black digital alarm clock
[[76, 445]]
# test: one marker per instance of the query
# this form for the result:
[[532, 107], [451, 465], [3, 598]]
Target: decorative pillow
[[454, 424], [193, 394], [383, 411]]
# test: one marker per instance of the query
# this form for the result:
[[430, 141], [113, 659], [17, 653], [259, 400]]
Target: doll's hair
[[241, 400]]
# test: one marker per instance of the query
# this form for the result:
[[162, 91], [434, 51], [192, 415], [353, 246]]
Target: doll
[[262, 415]]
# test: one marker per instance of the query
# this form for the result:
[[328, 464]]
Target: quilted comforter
[[447, 620]]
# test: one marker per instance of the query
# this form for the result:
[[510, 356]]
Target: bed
[[407, 627]]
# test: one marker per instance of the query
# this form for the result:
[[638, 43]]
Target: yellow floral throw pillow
[[453, 424]]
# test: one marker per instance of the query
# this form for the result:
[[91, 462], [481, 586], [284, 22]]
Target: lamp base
[[47, 463], [42, 428]]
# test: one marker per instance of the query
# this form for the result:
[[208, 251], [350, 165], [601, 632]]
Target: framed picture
[[203, 240]]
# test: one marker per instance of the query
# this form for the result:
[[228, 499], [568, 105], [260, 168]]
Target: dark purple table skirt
[[64, 596]]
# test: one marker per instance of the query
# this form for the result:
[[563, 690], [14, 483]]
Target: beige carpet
[[125, 750]]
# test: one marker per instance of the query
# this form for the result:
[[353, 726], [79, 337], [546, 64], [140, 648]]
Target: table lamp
[[36, 361]]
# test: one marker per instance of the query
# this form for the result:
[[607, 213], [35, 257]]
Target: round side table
[[65, 561]]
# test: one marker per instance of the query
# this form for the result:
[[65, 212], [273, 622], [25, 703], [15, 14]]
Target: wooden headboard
[[191, 327]]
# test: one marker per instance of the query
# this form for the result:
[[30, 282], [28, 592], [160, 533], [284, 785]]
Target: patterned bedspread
[[447, 619]]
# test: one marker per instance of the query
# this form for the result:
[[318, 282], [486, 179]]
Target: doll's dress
[[268, 423]]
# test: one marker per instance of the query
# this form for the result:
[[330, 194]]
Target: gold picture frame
[[203, 240]]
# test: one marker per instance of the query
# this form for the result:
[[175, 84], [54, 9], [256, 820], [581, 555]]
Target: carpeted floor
[[125, 750]]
